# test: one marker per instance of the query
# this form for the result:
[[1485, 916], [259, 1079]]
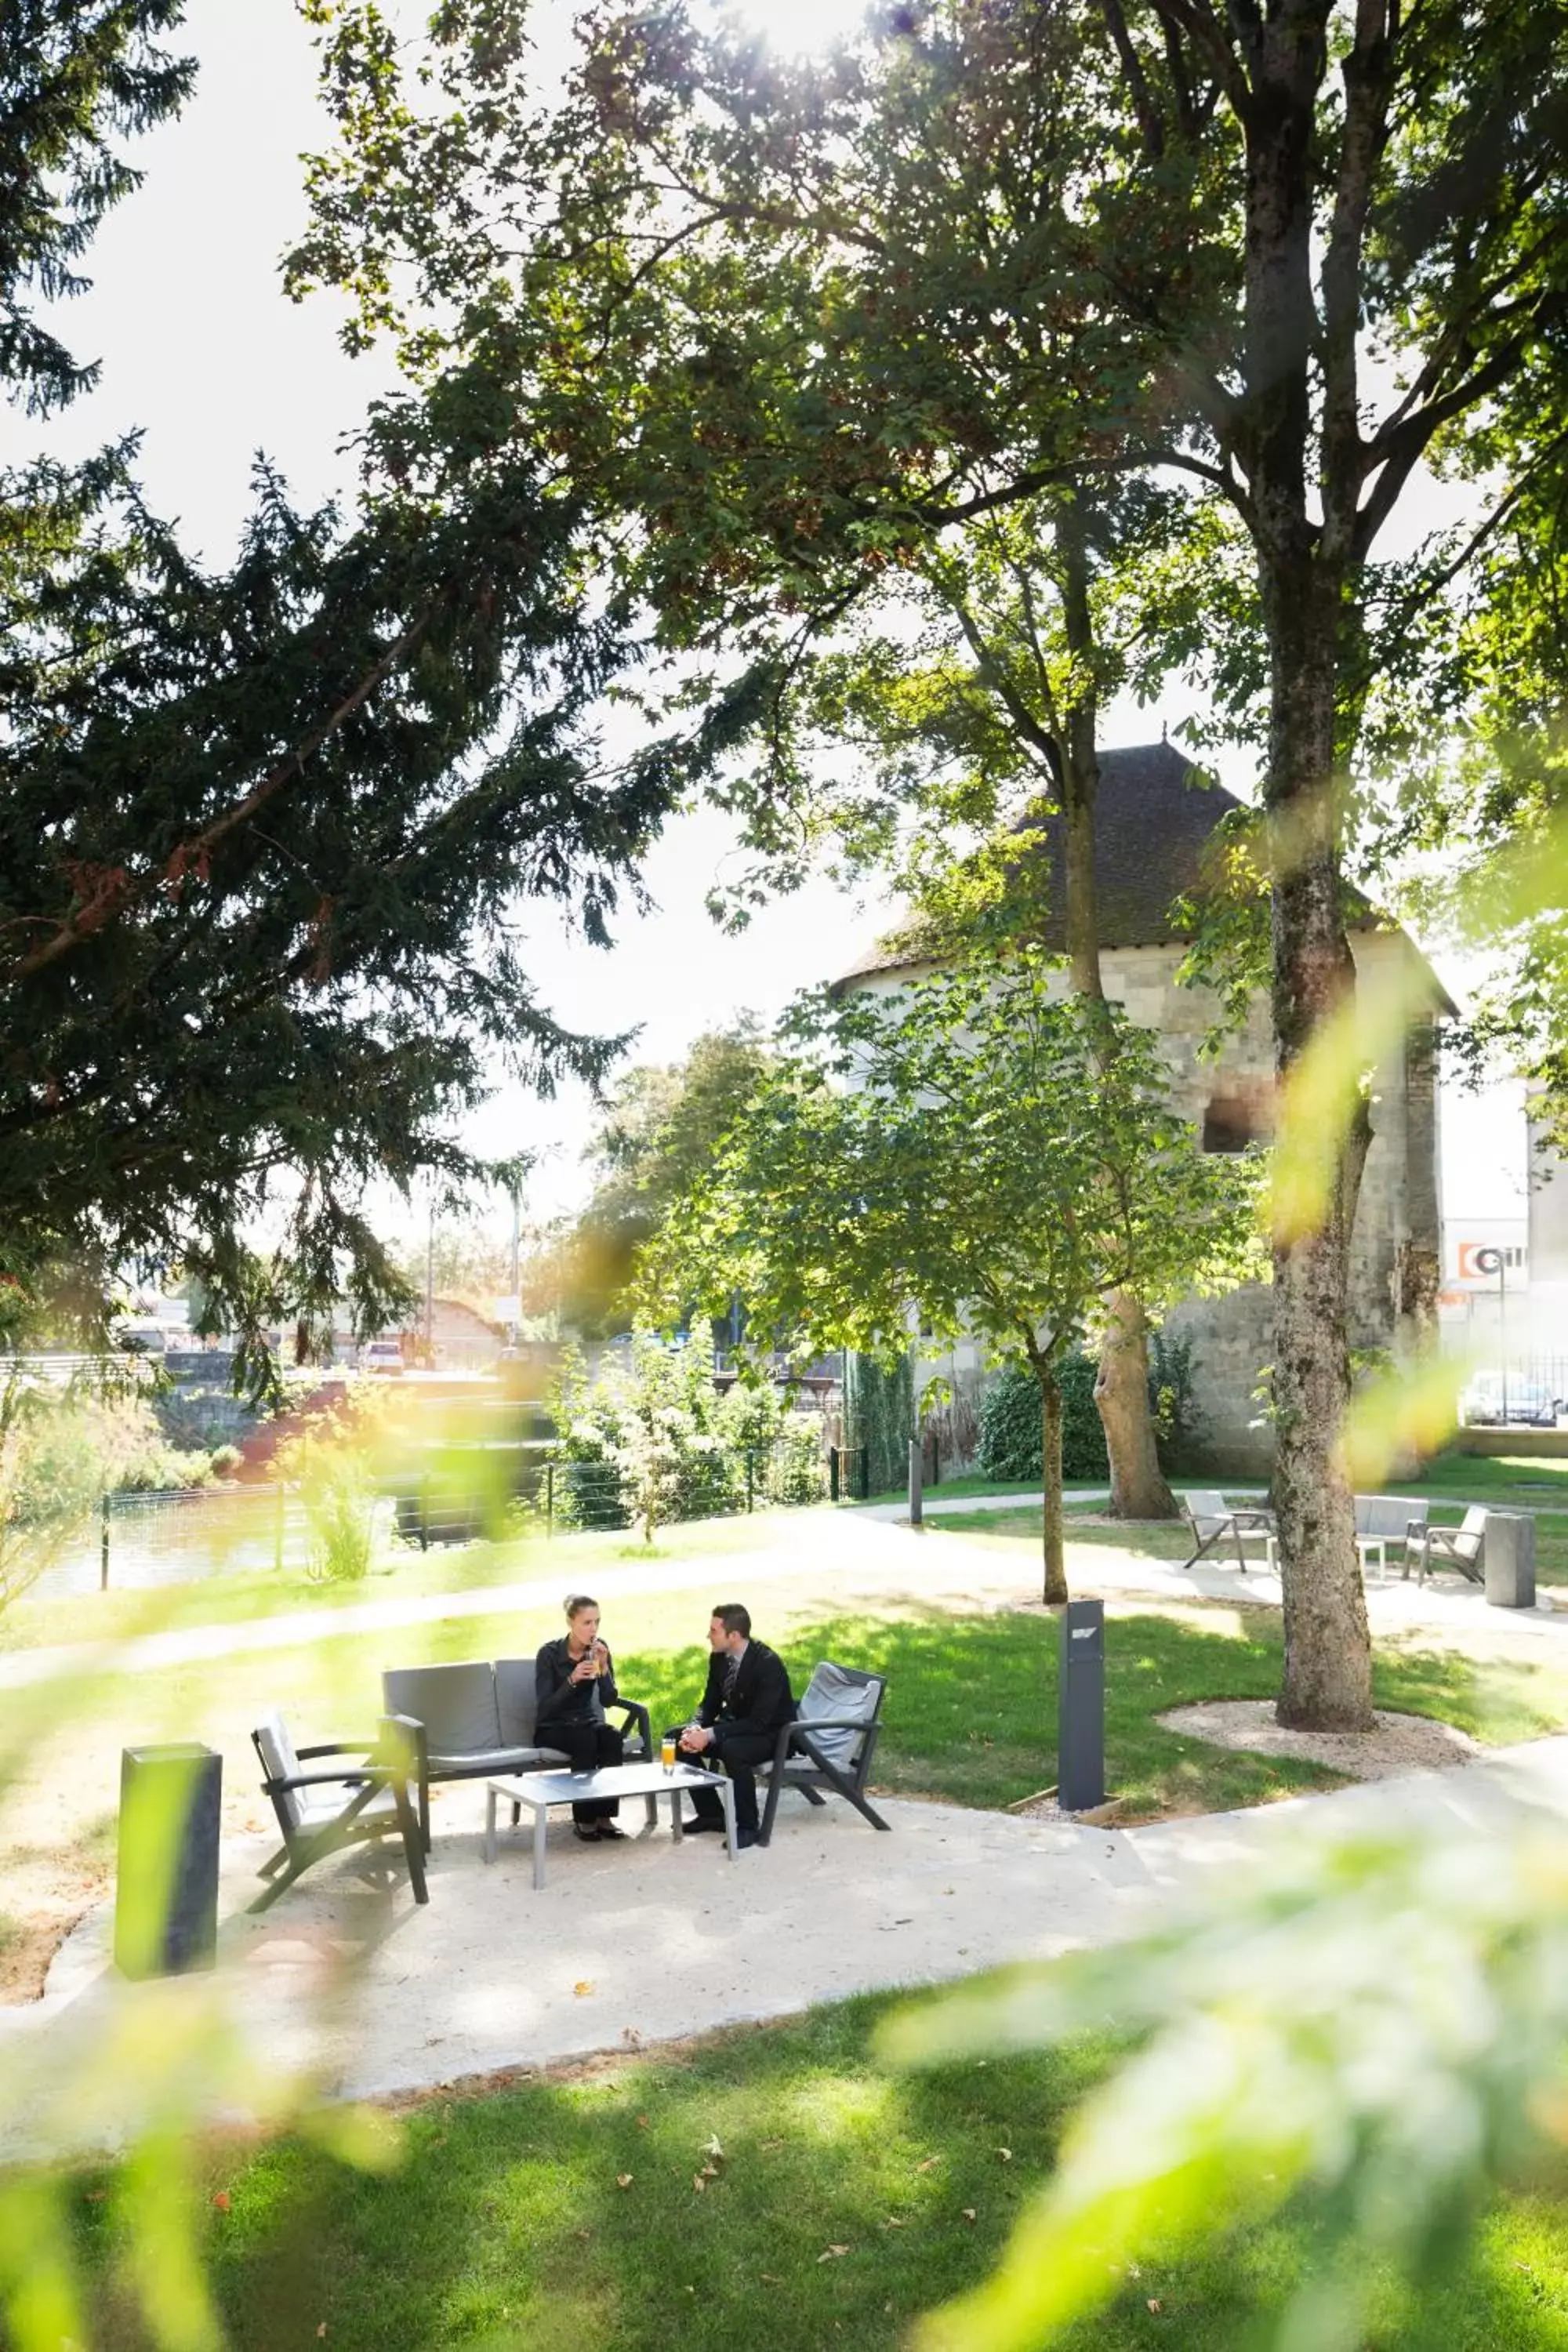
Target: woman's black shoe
[[609, 1830], [696, 1828], [587, 1831]]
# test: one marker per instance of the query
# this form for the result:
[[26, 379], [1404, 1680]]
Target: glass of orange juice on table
[[666, 1751]]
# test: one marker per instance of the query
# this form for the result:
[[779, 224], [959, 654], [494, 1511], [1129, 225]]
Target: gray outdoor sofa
[[475, 1721]]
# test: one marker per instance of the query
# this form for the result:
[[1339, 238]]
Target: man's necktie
[[730, 1670]]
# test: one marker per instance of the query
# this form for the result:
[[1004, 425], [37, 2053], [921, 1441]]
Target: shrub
[[650, 1440], [329, 1461], [1010, 1436]]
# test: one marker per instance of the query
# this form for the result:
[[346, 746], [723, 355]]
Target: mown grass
[[1020, 1528], [970, 1717], [1527, 1480], [846, 2200]]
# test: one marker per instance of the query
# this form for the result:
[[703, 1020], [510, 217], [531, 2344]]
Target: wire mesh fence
[[138, 1541]]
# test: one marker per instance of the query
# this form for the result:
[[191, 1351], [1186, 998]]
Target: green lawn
[[971, 1712], [846, 2200], [234, 1597], [1157, 1540], [1520, 1480]]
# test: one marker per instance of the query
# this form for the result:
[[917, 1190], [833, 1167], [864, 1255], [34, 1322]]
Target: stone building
[[1155, 817]]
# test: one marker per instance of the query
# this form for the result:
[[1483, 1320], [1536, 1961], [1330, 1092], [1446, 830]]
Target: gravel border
[[1401, 1743]]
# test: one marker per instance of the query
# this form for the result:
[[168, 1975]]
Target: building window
[[1233, 1122]]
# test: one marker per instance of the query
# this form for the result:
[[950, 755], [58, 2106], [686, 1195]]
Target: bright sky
[[201, 351]]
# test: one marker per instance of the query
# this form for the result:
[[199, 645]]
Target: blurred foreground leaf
[[1380, 2025]]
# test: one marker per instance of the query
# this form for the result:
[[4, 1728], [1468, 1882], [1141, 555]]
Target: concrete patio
[[350, 1984]]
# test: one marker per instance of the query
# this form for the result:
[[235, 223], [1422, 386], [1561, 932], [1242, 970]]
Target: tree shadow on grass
[[505, 2225], [846, 2201], [970, 1711]]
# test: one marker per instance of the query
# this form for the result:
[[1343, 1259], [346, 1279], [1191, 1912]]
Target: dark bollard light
[[165, 1898], [917, 1488], [1080, 1709]]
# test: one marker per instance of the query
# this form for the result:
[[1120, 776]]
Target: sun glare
[[797, 27]]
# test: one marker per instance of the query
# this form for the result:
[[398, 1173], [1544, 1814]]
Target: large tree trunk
[[1328, 1658], [1305, 561], [1138, 1488], [1056, 1575]]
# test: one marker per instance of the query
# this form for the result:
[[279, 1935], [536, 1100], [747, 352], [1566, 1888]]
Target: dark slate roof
[[1153, 817]]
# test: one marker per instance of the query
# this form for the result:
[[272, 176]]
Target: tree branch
[[116, 899]]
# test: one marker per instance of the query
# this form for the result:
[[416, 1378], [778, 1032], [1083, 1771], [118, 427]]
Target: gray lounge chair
[[475, 1721], [1462, 1548], [829, 1744], [323, 1809], [1210, 1518]]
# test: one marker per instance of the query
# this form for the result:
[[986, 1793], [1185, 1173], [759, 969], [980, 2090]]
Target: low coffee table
[[650, 1781]]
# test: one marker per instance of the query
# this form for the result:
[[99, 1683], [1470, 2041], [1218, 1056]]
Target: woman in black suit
[[574, 1680]]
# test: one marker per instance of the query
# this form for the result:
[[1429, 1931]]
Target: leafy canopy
[[967, 1152]]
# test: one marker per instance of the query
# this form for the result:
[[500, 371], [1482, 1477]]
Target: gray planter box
[[1510, 1560]]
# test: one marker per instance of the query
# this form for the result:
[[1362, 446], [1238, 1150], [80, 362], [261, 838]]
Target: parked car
[[381, 1356], [1522, 1403]]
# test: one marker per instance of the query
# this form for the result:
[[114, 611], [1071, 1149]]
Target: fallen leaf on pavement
[[584, 1986]]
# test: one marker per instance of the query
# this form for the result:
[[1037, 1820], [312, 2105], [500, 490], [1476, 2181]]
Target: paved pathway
[[365, 1994], [869, 1545]]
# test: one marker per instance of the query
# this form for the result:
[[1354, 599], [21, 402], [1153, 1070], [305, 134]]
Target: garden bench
[[322, 1809], [829, 1744], [475, 1721]]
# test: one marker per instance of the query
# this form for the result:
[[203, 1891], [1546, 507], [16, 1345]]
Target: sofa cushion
[[474, 1763], [280, 1762], [834, 1693], [456, 1704]]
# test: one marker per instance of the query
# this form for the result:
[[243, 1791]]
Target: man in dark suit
[[747, 1700]]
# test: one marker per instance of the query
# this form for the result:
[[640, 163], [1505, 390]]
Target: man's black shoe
[[696, 1828], [747, 1837]]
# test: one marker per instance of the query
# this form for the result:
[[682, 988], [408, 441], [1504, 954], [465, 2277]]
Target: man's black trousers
[[740, 1752], [587, 1743]]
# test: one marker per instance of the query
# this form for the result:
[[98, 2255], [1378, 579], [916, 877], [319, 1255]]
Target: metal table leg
[[727, 1797], [651, 1802], [489, 1825], [541, 1821], [675, 1831]]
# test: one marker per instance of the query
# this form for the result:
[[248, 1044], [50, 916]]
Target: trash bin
[[1509, 1557], [165, 1896], [1080, 1707]]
